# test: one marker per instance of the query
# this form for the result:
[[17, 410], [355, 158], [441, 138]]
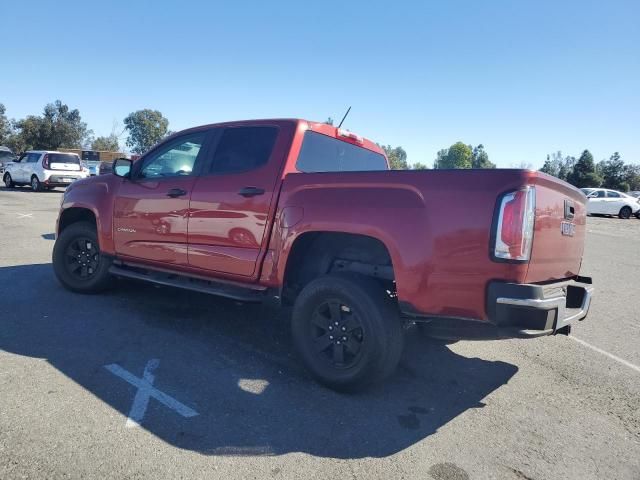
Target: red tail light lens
[[514, 228], [45, 161]]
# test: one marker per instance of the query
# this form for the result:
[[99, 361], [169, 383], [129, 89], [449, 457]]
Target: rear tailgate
[[560, 226]]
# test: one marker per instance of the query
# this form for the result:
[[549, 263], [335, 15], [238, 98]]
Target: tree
[[5, 126], [480, 158], [419, 166], [58, 127], [146, 128], [632, 177], [584, 172], [397, 157], [612, 172], [457, 155], [553, 164], [109, 143]]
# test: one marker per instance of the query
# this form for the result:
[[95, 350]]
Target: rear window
[[63, 158], [320, 153]]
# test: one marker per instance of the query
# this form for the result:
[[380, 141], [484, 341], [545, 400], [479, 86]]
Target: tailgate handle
[[569, 210]]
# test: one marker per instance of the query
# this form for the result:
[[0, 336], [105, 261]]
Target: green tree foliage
[[558, 166], [146, 128], [480, 158], [419, 166], [397, 157], [58, 127], [5, 126], [613, 173], [632, 177], [584, 172], [109, 143], [457, 155]]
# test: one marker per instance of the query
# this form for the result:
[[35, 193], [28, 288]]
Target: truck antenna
[[345, 116]]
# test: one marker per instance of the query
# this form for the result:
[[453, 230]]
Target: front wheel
[[625, 212], [8, 181], [347, 331], [77, 261]]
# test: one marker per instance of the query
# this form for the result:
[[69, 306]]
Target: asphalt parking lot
[[224, 398]]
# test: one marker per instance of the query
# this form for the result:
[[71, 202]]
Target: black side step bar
[[191, 283]]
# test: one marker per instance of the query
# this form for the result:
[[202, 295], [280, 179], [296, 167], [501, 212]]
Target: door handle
[[251, 192], [176, 192]]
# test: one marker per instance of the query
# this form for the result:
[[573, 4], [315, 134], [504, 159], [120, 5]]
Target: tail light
[[514, 226], [45, 161]]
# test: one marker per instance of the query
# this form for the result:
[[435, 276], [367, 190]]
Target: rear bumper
[[521, 311], [529, 310]]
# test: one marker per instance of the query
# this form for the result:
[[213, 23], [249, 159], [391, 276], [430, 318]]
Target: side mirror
[[122, 167]]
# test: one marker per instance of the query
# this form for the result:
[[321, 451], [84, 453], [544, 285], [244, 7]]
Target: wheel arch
[[316, 253], [73, 215]]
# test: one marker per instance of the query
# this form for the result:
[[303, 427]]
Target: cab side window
[[175, 159], [611, 194], [600, 194]]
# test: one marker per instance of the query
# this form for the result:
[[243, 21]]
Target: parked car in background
[[44, 170], [6, 156], [635, 194], [105, 167], [602, 201]]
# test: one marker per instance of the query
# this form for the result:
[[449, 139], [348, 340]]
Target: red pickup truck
[[309, 215]]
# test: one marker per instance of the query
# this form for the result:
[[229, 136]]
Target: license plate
[[66, 180], [568, 229]]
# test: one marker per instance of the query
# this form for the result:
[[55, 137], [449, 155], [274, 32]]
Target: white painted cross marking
[[145, 391], [25, 215]]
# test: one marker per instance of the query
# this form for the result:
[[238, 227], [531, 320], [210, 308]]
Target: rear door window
[[33, 157], [321, 153], [241, 149]]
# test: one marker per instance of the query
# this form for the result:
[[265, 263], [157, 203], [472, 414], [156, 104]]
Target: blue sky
[[525, 78]]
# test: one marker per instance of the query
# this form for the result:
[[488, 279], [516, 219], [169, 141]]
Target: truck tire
[[8, 181], [36, 186], [625, 213], [77, 261], [347, 331]]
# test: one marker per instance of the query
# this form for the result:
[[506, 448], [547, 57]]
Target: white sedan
[[609, 202]]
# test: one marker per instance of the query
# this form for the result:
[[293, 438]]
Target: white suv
[[44, 169]]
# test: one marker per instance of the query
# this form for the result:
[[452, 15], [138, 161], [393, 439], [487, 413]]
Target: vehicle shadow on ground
[[232, 364]]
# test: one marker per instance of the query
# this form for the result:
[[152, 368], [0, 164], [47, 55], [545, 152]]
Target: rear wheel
[[625, 212], [347, 331], [8, 181], [77, 261], [36, 186]]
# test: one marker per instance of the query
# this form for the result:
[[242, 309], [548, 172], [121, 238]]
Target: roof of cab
[[319, 127]]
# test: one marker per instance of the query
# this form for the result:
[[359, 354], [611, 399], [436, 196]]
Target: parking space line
[[607, 354], [146, 390]]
